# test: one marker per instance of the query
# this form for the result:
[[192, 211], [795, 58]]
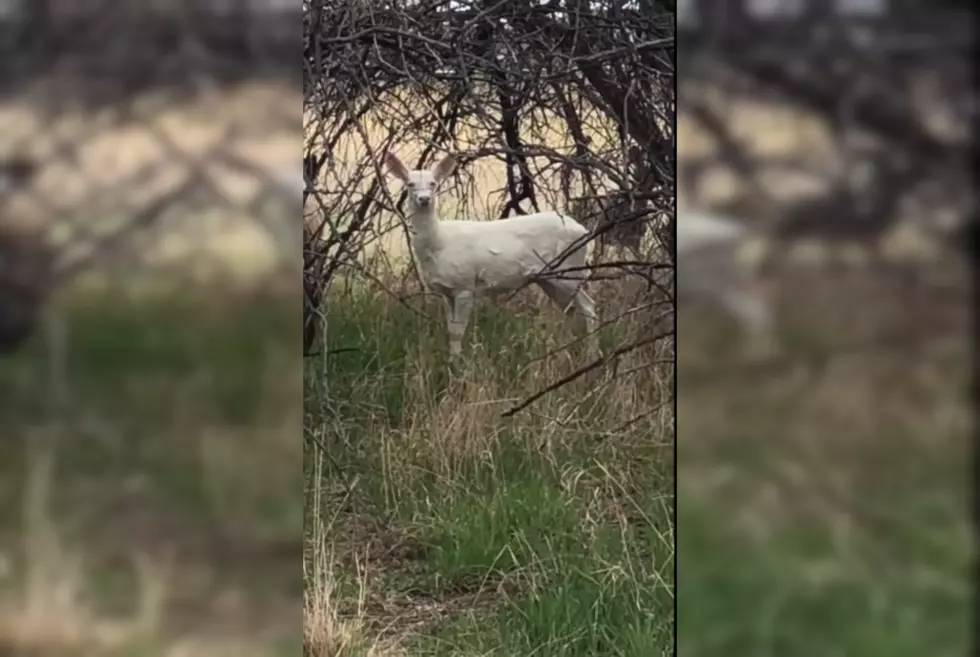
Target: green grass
[[463, 533], [823, 505], [800, 594], [180, 446], [602, 595]]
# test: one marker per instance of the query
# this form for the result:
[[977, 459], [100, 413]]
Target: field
[[822, 509], [823, 500], [438, 527], [159, 512], [822, 497]]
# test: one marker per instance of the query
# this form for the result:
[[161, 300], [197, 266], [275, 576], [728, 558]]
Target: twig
[[599, 362]]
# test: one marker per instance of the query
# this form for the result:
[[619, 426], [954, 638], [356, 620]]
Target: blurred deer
[[859, 211], [712, 270]]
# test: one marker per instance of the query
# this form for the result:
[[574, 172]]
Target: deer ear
[[396, 167], [445, 167]]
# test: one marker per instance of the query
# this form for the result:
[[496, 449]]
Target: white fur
[[291, 180], [463, 259], [711, 268], [697, 229]]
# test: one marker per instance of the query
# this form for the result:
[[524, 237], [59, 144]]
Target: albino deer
[[460, 260], [711, 268]]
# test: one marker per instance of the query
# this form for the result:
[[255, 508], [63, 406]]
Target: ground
[[171, 521], [823, 500], [440, 527], [822, 495]]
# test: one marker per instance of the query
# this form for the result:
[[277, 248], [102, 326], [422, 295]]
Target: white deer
[[460, 260], [711, 267]]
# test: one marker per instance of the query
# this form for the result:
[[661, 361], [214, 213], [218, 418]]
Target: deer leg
[[571, 297], [457, 319], [752, 313]]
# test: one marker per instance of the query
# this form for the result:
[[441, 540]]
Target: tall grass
[[451, 530], [823, 502], [165, 485]]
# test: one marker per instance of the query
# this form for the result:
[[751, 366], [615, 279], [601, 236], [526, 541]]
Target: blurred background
[[150, 372], [823, 493]]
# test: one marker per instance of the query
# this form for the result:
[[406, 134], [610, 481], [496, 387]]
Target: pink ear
[[445, 168], [396, 166]]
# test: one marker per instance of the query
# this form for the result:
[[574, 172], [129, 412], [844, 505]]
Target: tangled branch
[[543, 103]]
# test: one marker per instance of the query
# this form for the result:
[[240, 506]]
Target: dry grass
[[53, 616], [171, 522], [823, 498], [435, 497], [166, 519], [458, 531], [325, 632]]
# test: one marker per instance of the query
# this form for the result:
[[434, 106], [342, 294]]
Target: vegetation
[[169, 522], [438, 527], [823, 501]]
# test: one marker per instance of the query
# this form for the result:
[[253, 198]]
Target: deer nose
[[423, 201]]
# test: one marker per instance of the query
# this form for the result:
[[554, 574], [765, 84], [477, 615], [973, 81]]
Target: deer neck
[[425, 229]]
